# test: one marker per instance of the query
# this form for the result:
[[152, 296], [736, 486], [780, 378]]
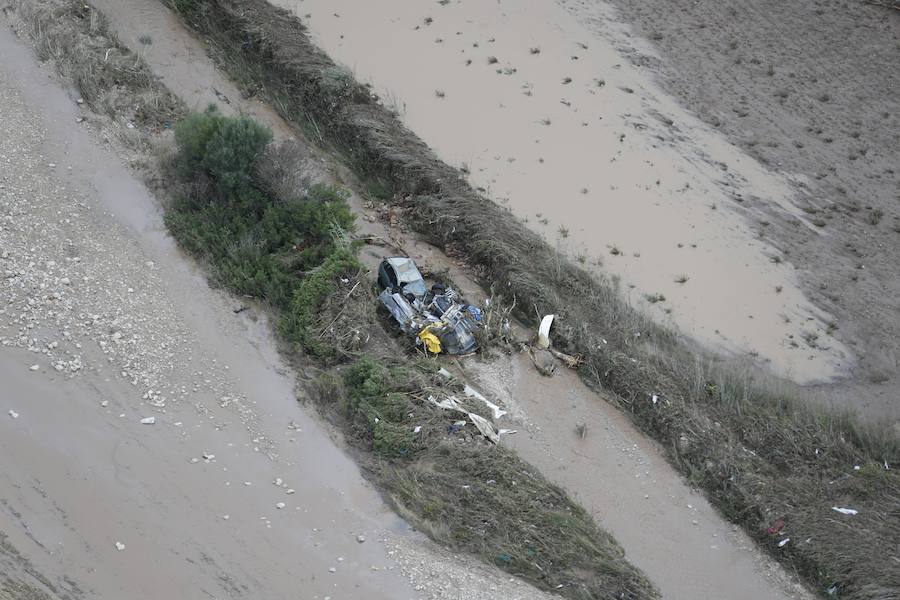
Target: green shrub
[[302, 314], [192, 135], [367, 378], [232, 150], [223, 148], [381, 411], [288, 253], [258, 248]]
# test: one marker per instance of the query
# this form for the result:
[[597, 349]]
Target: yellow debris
[[431, 341]]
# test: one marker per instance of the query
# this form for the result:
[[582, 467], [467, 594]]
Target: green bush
[[302, 314], [288, 253], [192, 135], [224, 148], [380, 409], [232, 150], [258, 248], [367, 378]]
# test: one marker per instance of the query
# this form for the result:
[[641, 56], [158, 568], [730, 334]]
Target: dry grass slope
[[758, 453], [111, 79]]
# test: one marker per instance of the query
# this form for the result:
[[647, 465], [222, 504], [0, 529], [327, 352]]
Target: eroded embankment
[[759, 455]]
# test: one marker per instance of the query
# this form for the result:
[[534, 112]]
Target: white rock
[[105, 403], [13, 414], [34, 367], [120, 546], [280, 505], [278, 481], [360, 538], [332, 570], [148, 421], [290, 491]]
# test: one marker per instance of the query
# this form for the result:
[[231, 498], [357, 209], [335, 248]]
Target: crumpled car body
[[401, 272], [419, 311]]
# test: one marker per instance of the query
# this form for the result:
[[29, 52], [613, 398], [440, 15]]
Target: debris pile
[[437, 319]]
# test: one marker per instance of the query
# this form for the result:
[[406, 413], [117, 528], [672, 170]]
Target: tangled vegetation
[[761, 455], [291, 251], [467, 493], [287, 252]]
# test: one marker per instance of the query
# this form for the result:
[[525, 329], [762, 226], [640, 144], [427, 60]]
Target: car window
[[392, 275]]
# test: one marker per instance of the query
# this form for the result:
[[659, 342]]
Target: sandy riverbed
[[553, 122]]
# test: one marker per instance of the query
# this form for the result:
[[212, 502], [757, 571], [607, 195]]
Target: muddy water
[[553, 122], [667, 529]]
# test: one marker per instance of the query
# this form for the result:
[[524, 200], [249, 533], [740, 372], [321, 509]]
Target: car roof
[[406, 269]]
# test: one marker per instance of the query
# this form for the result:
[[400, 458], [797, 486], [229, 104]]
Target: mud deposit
[[811, 91], [550, 120]]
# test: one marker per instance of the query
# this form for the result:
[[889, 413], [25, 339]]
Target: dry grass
[[110, 79]]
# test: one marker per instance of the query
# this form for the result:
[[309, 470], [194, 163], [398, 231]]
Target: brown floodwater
[[553, 122]]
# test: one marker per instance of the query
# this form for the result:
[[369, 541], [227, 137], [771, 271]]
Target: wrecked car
[[401, 272], [437, 318]]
